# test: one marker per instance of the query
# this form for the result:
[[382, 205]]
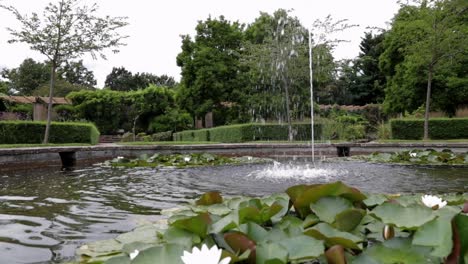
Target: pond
[[46, 214]]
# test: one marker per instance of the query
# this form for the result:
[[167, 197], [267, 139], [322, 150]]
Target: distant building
[[39, 106]]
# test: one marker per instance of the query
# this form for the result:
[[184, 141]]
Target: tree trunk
[[49, 105], [428, 101]]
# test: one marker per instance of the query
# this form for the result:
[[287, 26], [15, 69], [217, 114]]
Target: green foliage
[[428, 156], [175, 120], [162, 136], [439, 128], [27, 132], [426, 45], [210, 66], [25, 110], [65, 112], [120, 79], [113, 110], [33, 78], [180, 160], [249, 132], [301, 226]]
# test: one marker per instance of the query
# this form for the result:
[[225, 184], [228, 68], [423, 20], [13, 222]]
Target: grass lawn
[[423, 141], [4, 146]]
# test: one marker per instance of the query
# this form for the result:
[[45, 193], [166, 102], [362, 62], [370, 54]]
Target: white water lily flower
[[204, 256], [186, 159], [120, 157], [413, 154], [134, 254], [433, 202]]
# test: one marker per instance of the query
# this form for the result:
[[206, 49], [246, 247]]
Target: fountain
[[46, 214]]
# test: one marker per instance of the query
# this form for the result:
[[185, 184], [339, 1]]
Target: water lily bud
[[388, 232], [335, 255]]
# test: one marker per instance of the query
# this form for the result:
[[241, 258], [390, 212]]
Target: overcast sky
[[155, 27]]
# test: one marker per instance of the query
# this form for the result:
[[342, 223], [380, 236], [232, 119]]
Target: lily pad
[[436, 233], [332, 236], [326, 208], [302, 247], [271, 253], [410, 217], [169, 253]]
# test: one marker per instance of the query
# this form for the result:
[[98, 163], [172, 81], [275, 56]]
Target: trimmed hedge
[[439, 128], [28, 132], [249, 132], [192, 135]]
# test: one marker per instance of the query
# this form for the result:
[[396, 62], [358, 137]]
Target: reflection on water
[[45, 215]]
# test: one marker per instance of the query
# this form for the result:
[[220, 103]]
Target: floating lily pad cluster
[[324, 223], [181, 160], [428, 156]]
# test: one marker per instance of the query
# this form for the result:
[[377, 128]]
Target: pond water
[[46, 214]]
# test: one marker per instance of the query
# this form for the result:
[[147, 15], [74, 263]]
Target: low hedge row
[[28, 132], [439, 128], [249, 132]]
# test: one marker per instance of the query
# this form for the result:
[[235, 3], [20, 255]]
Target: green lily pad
[[304, 196], [436, 233], [169, 253], [254, 231], [271, 253], [397, 250], [302, 247], [196, 224], [326, 208], [226, 223], [410, 217], [332, 236], [375, 199], [349, 219]]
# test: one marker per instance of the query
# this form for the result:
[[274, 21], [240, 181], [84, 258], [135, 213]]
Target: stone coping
[[103, 147]]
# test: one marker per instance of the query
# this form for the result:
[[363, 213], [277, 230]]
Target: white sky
[[155, 27]]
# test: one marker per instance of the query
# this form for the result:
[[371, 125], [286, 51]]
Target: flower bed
[[321, 223]]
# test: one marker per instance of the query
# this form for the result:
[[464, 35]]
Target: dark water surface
[[46, 214]]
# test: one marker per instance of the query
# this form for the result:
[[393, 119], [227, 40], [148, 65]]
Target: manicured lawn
[[4, 146]]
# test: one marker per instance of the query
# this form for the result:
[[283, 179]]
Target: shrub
[[162, 136], [249, 132], [439, 128], [65, 112], [27, 132]]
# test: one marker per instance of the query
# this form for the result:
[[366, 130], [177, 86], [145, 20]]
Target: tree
[[210, 66], [76, 73], [276, 59], [424, 54], [27, 77], [31, 78], [65, 32], [369, 81], [120, 79]]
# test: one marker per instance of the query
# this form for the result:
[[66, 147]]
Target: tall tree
[[277, 67], [27, 77], [210, 66], [369, 81], [120, 79], [424, 50], [76, 73], [66, 31]]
